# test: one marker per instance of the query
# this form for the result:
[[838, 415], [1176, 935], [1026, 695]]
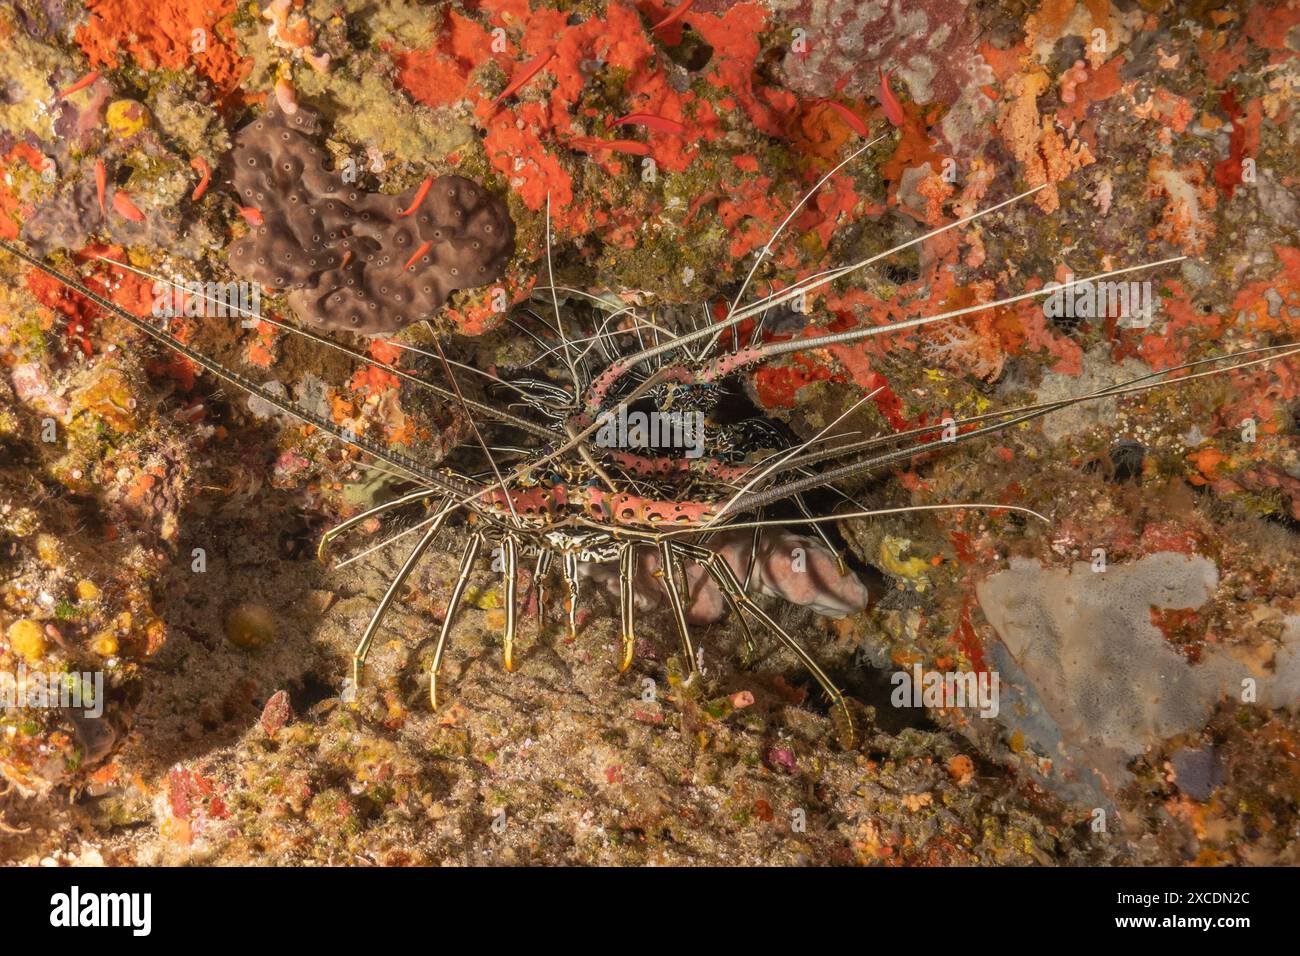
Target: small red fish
[[679, 11], [251, 216], [81, 84], [850, 117], [890, 102], [101, 180], [419, 197], [200, 166], [123, 206], [424, 247], [660, 123], [531, 70]]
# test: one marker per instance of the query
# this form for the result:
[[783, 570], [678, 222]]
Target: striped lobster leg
[[751, 647], [540, 571], [570, 568], [422, 494], [453, 605], [670, 566], [510, 559], [363, 647], [626, 603], [727, 582]]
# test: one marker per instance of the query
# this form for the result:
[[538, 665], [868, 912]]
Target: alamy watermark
[[133, 911], [83, 691], [635, 429], [207, 300], [1132, 303], [939, 689]]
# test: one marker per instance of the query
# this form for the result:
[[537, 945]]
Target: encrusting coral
[[354, 260]]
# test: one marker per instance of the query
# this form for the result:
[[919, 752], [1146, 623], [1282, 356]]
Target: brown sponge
[[342, 254]]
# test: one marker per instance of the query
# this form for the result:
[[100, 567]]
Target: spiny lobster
[[570, 500]]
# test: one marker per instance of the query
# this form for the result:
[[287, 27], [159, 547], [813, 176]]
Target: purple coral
[[364, 262]]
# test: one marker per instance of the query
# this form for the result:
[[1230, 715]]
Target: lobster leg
[[751, 648], [510, 554], [626, 602], [840, 564], [363, 648], [571, 584], [726, 580], [457, 591], [539, 582], [422, 494], [669, 566]]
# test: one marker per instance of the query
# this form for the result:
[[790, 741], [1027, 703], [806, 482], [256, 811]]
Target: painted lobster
[[571, 500]]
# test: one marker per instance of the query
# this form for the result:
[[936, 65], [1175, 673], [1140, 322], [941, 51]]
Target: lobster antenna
[[605, 381], [494, 379], [793, 452], [757, 335], [602, 337], [642, 321], [1110, 391], [767, 249], [339, 565], [478, 435], [416, 470], [750, 356], [853, 469], [591, 338], [505, 417], [827, 276], [802, 462], [870, 513], [555, 301]]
